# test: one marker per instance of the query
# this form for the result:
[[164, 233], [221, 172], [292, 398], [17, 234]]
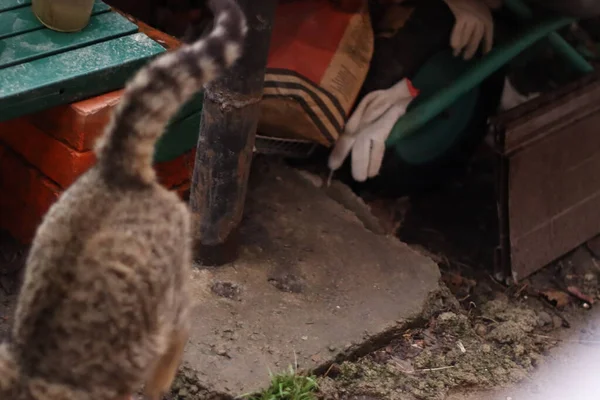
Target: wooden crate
[[46, 139], [548, 177], [26, 193]]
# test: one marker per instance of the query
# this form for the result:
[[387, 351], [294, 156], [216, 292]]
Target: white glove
[[474, 24], [368, 128], [511, 96]]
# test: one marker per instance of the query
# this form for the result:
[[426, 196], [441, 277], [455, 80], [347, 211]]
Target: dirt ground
[[480, 337], [484, 336]]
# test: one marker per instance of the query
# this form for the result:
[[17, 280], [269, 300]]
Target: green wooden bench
[[41, 68]]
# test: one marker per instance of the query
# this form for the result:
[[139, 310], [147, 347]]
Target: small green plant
[[287, 386]]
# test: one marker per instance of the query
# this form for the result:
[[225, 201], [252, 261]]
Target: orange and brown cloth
[[318, 60], [320, 55]]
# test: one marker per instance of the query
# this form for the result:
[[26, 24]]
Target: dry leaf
[[557, 297]]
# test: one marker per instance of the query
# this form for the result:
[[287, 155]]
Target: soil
[[495, 348], [492, 336], [477, 335]]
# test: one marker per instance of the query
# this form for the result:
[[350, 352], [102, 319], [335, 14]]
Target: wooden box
[[548, 177]]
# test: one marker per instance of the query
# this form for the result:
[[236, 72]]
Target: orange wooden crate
[[26, 193], [53, 148]]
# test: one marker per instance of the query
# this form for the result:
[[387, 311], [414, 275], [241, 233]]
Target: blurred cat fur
[[104, 305]]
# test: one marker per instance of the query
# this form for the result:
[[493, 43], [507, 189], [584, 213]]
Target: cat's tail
[[157, 91], [9, 373]]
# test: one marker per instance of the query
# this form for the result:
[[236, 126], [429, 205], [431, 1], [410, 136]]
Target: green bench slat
[[10, 4], [180, 137], [46, 42], [22, 20], [74, 75]]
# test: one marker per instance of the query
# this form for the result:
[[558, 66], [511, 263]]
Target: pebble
[[481, 329], [221, 350], [557, 322], [545, 319]]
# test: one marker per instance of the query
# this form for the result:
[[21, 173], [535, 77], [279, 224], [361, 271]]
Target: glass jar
[[63, 15]]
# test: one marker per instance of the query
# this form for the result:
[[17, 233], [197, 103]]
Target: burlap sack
[[318, 61]]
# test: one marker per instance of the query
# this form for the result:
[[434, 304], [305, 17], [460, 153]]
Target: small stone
[[557, 322], [544, 319], [304, 338], [451, 322], [481, 329], [486, 348], [221, 350], [228, 290], [332, 348]]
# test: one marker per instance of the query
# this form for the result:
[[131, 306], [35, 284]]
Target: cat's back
[[109, 264], [90, 206], [91, 217]]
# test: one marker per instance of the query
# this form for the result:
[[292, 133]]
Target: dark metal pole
[[227, 133]]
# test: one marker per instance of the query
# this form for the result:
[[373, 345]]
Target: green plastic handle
[[572, 56], [481, 69]]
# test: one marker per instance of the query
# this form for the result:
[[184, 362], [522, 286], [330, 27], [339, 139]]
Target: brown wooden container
[[548, 177]]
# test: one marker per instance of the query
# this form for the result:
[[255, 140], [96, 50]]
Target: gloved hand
[[474, 24], [369, 127]]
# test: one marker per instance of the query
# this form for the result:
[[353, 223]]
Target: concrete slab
[[312, 285]]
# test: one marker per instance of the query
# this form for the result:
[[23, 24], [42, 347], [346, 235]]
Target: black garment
[[426, 32], [573, 8]]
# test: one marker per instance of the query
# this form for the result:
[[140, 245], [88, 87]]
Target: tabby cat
[[104, 306]]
